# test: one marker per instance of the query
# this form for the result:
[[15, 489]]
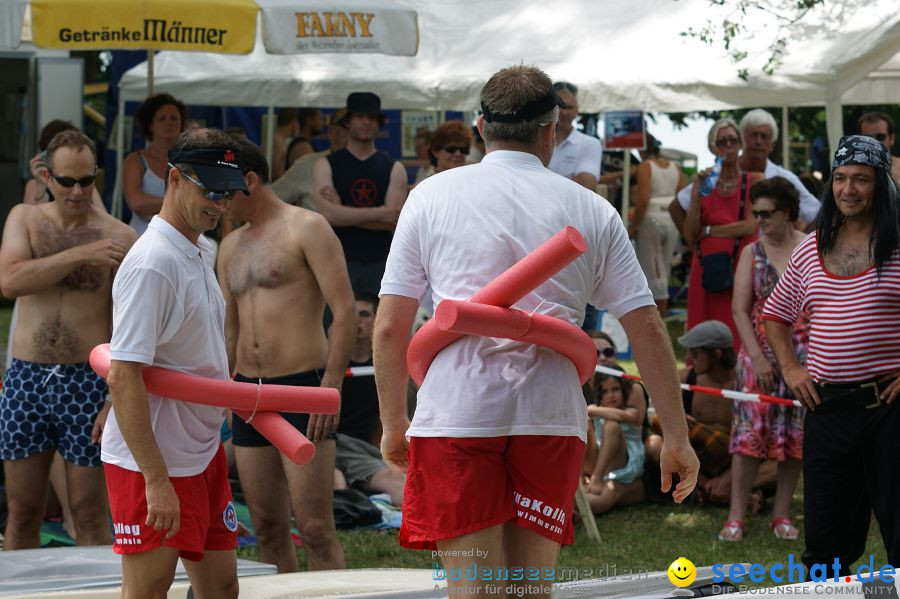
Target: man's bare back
[[278, 296], [66, 312]]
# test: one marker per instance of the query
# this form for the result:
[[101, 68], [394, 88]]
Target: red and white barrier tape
[[726, 393], [360, 371]]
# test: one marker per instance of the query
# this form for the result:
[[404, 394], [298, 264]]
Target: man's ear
[[480, 124], [252, 180], [172, 176]]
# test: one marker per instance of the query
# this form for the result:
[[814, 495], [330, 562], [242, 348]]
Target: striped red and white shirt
[[855, 320]]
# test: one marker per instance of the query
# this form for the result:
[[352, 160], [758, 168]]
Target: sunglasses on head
[[464, 150], [606, 352], [209, 194], [763, 214], [727, 141], [565, 86], [71, 181]]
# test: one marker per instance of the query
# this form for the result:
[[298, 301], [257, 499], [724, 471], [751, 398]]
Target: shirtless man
[[710, 345], [58, 258], [277, 272]]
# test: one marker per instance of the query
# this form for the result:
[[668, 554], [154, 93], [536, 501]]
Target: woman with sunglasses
[[764, 431], [450, 144], [160, 119], [720, 224]]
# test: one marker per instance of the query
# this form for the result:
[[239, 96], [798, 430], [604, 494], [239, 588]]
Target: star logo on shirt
[[363, 192]]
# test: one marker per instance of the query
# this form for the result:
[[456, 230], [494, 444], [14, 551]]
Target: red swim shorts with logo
[[208, 519], [456, 486]]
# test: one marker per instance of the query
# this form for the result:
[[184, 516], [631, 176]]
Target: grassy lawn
[[645, 537]]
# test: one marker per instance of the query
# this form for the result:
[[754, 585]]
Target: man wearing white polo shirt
[[166, 473], [577, 156], [494, 451]]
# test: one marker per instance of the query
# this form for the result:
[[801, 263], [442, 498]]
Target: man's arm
[[328, 203], [232, 322], [586, 180], [796, 376], [393, 325], [326, 260], [129, 398], [678, 214], [656, 361], [23, 274]]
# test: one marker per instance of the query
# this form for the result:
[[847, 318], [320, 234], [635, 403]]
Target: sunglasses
[[606, 352], [209, 194], [565, 86], [71, 181], [763, 214], [727, 141], [464, 150]]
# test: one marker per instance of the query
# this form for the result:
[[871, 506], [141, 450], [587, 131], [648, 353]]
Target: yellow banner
[[226, 26]]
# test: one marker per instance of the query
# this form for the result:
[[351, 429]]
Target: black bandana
[[532, 109], [859, 149]]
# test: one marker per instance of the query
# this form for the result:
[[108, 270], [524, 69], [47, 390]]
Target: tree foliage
[[729, 29]]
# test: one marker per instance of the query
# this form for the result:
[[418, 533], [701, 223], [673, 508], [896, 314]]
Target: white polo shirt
[[578, 153], [809, 205], [461, 228], [168, 311]]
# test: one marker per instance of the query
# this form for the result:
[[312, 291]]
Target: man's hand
[[595, 485], [100, 423], [718, 489], [163, 508], [797, 378], [322, 425], [331, 194], [103, 252], [388, 215], [891, 391], [395, 449], [678, 458]]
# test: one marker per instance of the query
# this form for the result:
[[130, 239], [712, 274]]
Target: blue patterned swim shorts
[[50, 405]]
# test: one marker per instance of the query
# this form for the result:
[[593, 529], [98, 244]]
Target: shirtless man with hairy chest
[[59, 259], [277, 273]]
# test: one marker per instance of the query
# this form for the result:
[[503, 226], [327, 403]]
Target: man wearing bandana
[[847, 275], [493, 454]]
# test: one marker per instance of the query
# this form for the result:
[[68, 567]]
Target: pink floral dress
[[766, 430]]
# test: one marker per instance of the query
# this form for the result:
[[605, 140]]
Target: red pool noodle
[[228, 394], [509, 323], [509, 287], [270, 424]]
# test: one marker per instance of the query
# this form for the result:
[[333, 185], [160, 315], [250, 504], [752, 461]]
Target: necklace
[[727, 185]]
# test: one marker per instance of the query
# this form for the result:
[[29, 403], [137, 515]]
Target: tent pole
[[834, 120], [626, 185], [120, 157], [785, 139], [149, 73], [270, 133]]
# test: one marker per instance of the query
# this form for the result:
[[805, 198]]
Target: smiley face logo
[[682, 572]]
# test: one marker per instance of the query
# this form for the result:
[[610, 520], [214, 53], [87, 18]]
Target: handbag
[[718, 268]]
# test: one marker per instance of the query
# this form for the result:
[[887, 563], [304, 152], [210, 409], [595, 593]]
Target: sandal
[[732, 531], [784, 529]]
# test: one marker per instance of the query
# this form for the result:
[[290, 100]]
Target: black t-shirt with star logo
[[362, 184]]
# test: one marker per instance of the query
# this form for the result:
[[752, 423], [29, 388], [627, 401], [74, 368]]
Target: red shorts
[[208, 519], [456, 486]]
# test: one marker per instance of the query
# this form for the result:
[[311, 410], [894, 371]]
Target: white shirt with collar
[[168, 311], [578, 153], [458, 231], [809, 205]]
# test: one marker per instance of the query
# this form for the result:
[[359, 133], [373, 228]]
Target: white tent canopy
[[621, 53]]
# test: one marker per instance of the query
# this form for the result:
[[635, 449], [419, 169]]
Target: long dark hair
[[884, 238]]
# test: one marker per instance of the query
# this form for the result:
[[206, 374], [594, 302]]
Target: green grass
[[644, 537]]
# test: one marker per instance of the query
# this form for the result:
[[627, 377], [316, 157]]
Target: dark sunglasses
[[606, 352], [880, 136], [727, 141], [763, 214], [464, 150], [71, 181], [209, 194]]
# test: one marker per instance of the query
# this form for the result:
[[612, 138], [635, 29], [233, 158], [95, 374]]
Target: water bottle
[[710, 182]]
